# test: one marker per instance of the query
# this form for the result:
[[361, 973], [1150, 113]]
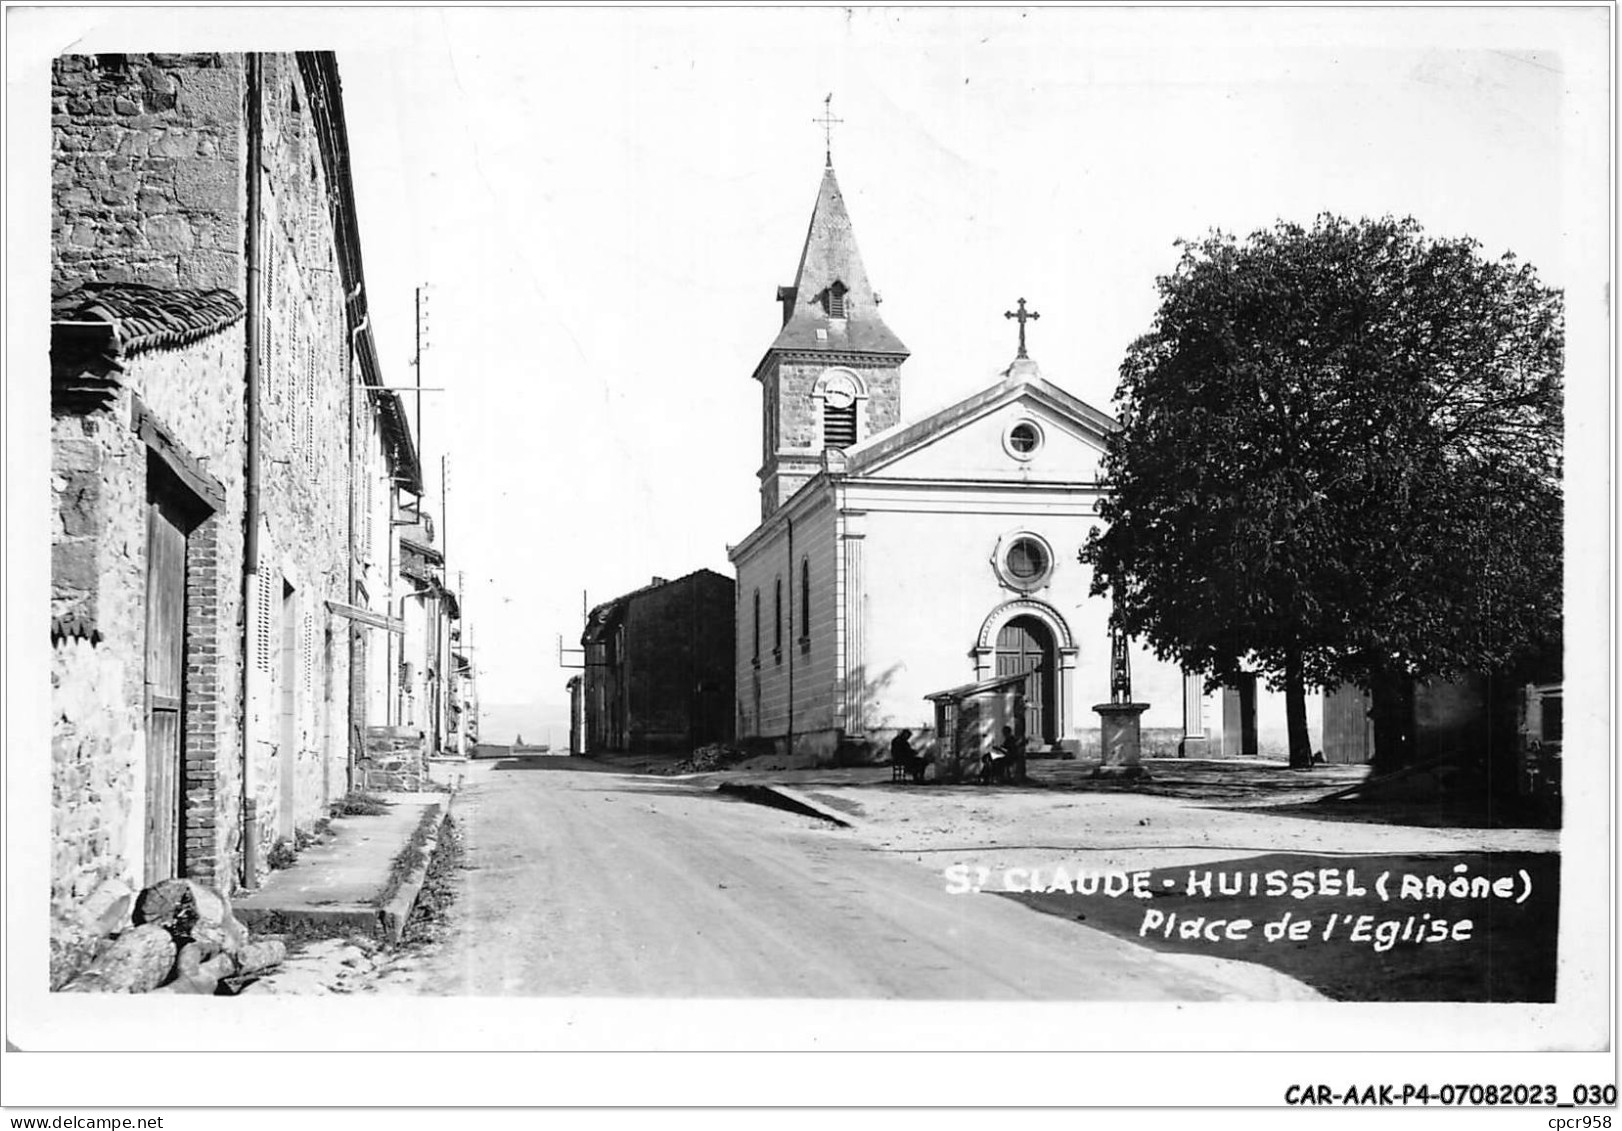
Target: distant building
[[431, 615], [658, 672], [577, 714]]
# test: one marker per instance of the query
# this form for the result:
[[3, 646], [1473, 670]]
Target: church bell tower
[[833, 376]]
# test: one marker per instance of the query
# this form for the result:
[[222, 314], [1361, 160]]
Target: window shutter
[[838, 426], [263, 626]]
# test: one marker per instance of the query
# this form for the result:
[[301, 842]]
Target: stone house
[[658, 667], [464, 700], [430, 615], [222, 449]]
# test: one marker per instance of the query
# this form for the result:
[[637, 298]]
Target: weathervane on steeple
[[828, 122], [1023, 317]]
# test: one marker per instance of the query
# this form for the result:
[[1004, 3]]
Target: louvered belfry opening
[[838, 426], [836, 300]]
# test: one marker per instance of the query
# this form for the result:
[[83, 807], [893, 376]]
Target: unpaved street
[[581, 880]]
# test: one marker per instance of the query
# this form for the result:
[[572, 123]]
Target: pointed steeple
[[832, 377], [831, 305]]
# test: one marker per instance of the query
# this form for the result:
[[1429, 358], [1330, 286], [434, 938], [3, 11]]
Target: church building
[[897, 558]]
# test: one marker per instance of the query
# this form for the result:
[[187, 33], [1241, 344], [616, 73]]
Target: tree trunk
[[1391, 709], [1295, 712]]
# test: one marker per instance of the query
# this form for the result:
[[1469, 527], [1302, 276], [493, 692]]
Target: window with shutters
[[307, 654], [366, 515], [310, 356], [262, 653]]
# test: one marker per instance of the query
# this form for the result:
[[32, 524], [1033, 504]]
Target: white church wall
[[798, 662], [815, 651]]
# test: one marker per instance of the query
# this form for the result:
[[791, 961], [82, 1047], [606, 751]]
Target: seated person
[[1006, 762], [902, 754]]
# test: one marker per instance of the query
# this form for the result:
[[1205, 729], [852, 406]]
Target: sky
[[601, 203]]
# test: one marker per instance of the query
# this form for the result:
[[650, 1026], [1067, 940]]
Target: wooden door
[[165, 680], [1348, 732], [1025, 644]]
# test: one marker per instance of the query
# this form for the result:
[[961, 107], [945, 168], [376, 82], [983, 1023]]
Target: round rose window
[[1027, 561]]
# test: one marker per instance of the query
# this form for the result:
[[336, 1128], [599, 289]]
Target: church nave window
[[805, 601], [757, 627], [777, 621]]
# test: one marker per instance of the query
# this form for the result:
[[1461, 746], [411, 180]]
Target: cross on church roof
[[1023, 317], [828, 122]]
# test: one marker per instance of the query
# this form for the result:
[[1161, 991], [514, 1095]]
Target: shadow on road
[[657, 787], [555, 763]]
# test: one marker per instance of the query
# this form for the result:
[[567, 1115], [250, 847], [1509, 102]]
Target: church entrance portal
[[1025, 644]]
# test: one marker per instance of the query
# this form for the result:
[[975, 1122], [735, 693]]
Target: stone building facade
[[224, 462], [143, 435], [658, 667]]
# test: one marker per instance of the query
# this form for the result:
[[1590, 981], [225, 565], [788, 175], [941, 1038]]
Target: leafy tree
[[1339, 460]]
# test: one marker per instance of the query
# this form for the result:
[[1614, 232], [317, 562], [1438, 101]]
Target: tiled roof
[[148, 318], [830, 257]]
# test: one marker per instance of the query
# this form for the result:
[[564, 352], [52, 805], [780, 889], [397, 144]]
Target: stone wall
[[304, 459], [98, 595], [99, 548], [97, 772], [196, 394], [149, 186], [792, 424], [800, 412], [148, 153], [678, 640]]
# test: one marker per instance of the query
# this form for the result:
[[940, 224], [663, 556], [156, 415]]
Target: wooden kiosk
[[969, 721]]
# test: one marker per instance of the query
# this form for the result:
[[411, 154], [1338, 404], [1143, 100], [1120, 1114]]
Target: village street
[[583, 880]]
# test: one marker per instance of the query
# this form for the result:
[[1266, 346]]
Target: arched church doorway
[[1025, 644]]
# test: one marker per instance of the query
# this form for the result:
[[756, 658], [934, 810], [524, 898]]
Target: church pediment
[[1020, 431]]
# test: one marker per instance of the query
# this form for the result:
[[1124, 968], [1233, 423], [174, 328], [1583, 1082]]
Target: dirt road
[[587, 881]]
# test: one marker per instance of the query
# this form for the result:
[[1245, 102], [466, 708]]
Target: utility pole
[[416, 363]]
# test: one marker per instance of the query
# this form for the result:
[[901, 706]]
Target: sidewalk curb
[[393, 916], [780, 797]]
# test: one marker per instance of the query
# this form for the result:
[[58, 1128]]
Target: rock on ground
[[138, 961], [189, 910], [107, 911], [260, 956]]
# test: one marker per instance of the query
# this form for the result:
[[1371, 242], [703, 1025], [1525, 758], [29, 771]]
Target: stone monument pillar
[[1120, 719]]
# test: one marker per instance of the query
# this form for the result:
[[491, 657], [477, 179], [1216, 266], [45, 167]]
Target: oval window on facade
[[1023, 439], [1024, 561], [1027, 560]]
